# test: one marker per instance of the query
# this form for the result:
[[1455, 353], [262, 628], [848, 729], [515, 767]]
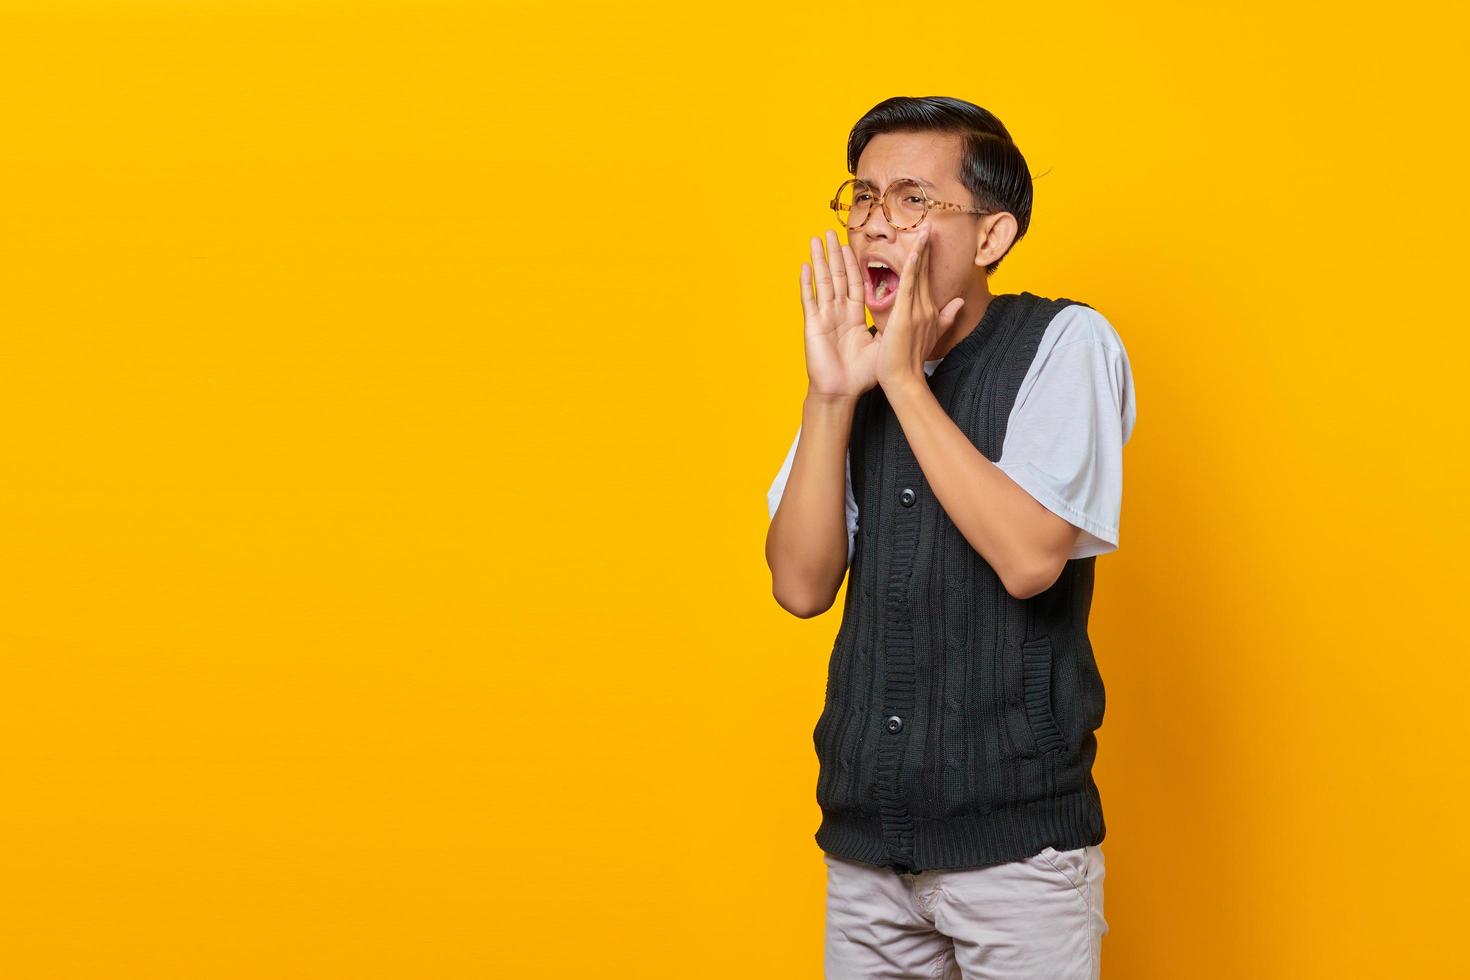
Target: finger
[[838, 262], [808, 305], [854, 275], [906, 281], [923, 270], [824, 275]]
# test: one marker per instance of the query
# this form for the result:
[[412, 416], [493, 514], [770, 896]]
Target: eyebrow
[[874, 183]]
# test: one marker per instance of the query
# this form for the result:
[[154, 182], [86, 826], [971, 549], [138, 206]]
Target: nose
[[877, 226]]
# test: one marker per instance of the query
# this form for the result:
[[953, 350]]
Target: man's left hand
[[914, 325]]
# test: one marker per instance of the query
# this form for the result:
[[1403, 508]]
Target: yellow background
[[392, 389]]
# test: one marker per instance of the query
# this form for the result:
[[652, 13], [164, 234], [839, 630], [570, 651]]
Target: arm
[[1025, 543], [807, 545]]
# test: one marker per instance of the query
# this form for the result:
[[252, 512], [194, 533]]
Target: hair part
[[991, 165]]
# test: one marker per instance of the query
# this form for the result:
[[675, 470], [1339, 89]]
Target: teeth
[[882, 289]]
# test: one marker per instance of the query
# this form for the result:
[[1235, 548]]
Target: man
[[962, 467]]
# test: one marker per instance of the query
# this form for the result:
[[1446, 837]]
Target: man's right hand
[[841, 356]]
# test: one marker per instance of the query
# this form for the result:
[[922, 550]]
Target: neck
[[970, 316]]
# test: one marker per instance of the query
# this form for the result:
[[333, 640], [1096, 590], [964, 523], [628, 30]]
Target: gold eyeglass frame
[[930, 204]]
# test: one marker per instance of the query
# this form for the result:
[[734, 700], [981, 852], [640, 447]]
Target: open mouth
[[881, 286]]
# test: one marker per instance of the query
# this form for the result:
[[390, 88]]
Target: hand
[[840, 353], [914, 326]]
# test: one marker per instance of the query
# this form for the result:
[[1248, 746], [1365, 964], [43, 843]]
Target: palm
[[841, 356]]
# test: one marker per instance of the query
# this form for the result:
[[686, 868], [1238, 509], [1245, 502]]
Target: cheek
[[941, 264], [953, 265], [941, 253]]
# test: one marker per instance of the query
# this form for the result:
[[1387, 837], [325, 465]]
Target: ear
[[994, 237]]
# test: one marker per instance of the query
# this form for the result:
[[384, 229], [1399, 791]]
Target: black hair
[[991, 166]]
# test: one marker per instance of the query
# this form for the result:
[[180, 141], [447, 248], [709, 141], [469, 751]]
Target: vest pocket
[[834, 738], [826, 771], [1030, 722], [822, 721]]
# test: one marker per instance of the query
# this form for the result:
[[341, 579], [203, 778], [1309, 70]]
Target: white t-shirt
[[1064, 440]]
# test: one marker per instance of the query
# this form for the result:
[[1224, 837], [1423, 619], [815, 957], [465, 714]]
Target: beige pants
[[1038, 919]]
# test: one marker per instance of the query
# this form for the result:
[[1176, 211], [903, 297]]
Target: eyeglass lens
[[905, 201]]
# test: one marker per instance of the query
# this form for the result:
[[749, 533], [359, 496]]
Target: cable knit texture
[[958, 725]]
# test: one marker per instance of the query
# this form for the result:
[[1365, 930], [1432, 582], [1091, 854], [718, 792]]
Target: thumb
[[950, 311]]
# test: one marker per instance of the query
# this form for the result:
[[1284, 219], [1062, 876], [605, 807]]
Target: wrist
[[823, 402], [819, 411], [906, 387]]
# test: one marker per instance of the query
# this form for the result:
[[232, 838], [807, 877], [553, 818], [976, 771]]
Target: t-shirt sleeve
[[1073, 414], [778, 487]]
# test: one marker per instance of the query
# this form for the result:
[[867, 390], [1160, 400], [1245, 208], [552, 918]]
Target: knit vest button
[[895, 724], [907, 497]]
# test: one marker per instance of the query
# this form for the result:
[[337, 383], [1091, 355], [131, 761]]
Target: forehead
[[877, 184], [933, 159]]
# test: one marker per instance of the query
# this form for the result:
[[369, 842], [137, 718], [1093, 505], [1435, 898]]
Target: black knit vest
[[958, 725]]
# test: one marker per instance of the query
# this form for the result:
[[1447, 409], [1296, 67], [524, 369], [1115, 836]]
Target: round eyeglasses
[[905, 204]]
